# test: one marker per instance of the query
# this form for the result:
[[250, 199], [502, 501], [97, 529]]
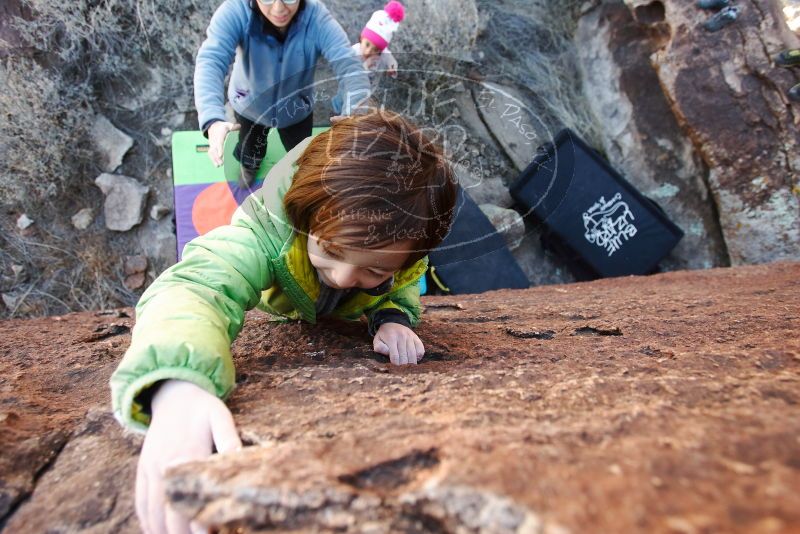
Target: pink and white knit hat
[[383, 23]]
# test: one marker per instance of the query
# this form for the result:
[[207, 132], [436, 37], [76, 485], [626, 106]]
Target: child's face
[[368, 49], [353, 267]]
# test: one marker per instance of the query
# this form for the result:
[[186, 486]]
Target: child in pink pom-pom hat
[[375, 37]]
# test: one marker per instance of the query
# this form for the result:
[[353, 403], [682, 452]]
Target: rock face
[[484, 190], [641, 137], [660, 404], [731, 101], [47, 410], [125, 201], [516, 128]]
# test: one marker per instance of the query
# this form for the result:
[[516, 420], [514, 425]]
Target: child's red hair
[[372, 180]]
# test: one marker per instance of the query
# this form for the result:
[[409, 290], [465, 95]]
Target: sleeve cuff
[[207, 125], [389, 315], [131, 412]]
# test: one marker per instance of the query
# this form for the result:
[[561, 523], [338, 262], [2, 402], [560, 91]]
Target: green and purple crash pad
[[204, 197]]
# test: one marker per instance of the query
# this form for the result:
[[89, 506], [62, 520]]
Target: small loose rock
[[24, 222], [134, 281], [83, 219], [159, 211]]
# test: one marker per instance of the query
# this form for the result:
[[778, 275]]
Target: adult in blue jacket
[[276, 44]]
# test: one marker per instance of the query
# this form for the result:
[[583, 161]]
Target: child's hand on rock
[[187, 421], [398, 342]]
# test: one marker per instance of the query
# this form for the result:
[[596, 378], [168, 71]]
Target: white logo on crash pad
[[608, 223]]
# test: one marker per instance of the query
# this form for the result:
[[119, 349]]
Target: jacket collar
[[299, 278], [294, 273]]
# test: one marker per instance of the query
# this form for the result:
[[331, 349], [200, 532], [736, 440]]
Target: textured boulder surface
[[668, 403], [641, 136], [731, 101], [55, 429]]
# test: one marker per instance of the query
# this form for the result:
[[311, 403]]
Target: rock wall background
[[640, 134], [731, 101], [698, 121]]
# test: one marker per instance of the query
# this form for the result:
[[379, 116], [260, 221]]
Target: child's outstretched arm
[[186, 321], [188, 318]]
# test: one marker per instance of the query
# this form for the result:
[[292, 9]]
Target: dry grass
[[536, 51], [69, 61], [42, 144], [78, 58], [45, 275]]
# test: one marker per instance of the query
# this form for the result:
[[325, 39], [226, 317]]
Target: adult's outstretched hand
[[216, 139]]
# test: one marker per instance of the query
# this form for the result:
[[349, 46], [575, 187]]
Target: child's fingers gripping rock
[[223, 429], [420, 348], [187, 422], [379, 346], [411, 350], [398, 342]]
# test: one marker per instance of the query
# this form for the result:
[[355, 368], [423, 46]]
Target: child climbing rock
[[342, 228]]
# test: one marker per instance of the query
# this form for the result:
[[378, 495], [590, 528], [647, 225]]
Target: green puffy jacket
[[190, 315]]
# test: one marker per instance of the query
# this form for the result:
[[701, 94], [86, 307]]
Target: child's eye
[[377, 273]]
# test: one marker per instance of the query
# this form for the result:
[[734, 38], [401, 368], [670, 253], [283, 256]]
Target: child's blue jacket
[[272, 83]]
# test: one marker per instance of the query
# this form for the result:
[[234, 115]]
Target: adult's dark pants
[[252, 146]]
